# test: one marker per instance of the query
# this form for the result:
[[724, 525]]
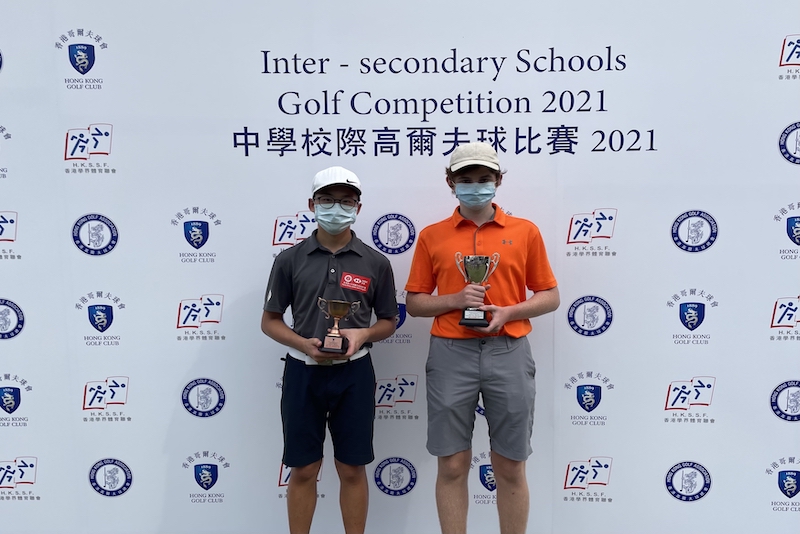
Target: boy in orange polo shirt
[[493, 360]]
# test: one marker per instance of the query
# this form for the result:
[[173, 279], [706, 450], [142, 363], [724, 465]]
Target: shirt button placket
[[332, 270]]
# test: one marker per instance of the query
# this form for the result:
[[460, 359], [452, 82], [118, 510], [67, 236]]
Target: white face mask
[[334, 220]]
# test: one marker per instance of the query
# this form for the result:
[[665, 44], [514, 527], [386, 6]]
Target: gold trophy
[[338, 309], [476, 270]]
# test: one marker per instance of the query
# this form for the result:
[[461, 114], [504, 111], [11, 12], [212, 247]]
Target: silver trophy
[[476, 270], [338, 309]]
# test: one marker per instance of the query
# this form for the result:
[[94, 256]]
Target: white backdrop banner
[[155, 157]]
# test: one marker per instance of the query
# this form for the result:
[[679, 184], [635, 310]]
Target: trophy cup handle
[[495, 259], [353, 307], [322, 304], [459, 264]]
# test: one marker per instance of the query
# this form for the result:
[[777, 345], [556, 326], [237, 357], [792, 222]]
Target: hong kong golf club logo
[[785, 471], [400, 318], [196, 224], [206, 475], [207, 467], [196, 233], [101, 309], [692, 314], [787, 217], [10, 398], [481, 465], [12, 388], [100, 316], [487, 477], [787, 482], [793, 230], [589, 396], [694, 231], [81, 46], [81, 57], [95, 234], [588, 389]]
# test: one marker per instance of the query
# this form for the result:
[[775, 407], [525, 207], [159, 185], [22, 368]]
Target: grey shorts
[[501, 369]]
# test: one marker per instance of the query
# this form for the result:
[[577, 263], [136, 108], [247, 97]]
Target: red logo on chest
[[355, 282]]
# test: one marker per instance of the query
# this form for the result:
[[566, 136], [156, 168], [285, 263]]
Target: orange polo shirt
[[523, 264]]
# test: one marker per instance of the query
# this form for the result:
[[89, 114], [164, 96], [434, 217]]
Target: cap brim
[[351, 186], [461, 164]]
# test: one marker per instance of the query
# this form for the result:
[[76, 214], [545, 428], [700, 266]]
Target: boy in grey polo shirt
[[322, 387]]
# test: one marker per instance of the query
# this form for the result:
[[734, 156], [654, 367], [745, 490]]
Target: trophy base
[[473, 318], [334, 344]]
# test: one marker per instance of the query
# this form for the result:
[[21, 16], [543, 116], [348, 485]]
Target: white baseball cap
[[335, 176], [478, 153]]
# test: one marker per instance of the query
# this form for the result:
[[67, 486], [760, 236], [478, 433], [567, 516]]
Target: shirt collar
[[499, 216], [354, 245]]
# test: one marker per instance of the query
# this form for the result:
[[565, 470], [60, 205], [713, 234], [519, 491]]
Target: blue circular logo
[[789, 143], [393, 233], [395, 476], [95, 234], [203, 397], [688, 481], [11, 319], [400, 318], [590, 316], [785, 400], [110, 477], [694, 231]]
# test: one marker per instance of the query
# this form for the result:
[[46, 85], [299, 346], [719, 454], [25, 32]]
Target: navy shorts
[[340, 396]]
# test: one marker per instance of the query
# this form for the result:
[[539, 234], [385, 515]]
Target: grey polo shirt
[[308, 270]]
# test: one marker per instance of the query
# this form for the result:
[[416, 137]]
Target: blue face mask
[[475, 195], [334, 220]]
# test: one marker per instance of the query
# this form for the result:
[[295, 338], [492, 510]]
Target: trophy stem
[[335, 329]]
